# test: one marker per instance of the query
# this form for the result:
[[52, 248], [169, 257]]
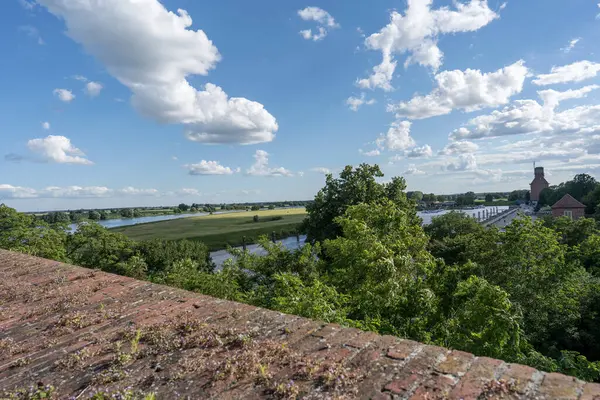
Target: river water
[[294, 242]]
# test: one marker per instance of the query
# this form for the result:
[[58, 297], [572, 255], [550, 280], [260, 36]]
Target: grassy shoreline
[[218, 231]]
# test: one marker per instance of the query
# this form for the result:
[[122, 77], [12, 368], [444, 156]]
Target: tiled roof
[[82, 331], [568, 201]]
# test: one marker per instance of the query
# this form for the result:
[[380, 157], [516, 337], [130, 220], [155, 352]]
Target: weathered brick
[[437, 386], [557, 386], [473, 382], [456, 363], [403, 385], [403, 349], [386, 367], [519, 376], [591, 391]]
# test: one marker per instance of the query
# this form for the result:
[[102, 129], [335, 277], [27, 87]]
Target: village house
[[568, 206]]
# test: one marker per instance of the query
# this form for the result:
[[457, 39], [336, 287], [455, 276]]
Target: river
[[294, 242]]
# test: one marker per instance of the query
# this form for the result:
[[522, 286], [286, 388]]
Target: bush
[[255, 218]]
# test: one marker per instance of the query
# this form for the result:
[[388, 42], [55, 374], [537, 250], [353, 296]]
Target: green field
[[219, 230]]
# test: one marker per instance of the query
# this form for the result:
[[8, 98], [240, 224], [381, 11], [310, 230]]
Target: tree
[[489, 198], [94, 215], [354, 186], [417, 196], [126, 213], [271, 207], [382, 263], [255, 207], [255, 218], [183, 207], [24, 233]]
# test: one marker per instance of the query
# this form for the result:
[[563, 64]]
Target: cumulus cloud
[[75, 192], [16, 192], [321, 170], [93, 89], [370, 153], [459, 147], [529, 116], [576, 72], [468, 90], [419, 152], [413, 170], [209, 168], [64, 95], [323, 19], [261, 166], [354, 103], [398, 137], [464, 162], [152, 51], [46, 125], [57, 149], [189, 192], [570, 46], [416, 33]]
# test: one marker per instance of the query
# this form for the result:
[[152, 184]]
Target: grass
[[219, 230]]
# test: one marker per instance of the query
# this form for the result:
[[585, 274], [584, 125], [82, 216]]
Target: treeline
[[76, 216], [529, 294], [582, 187]]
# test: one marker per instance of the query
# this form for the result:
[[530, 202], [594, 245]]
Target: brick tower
[[538, 184]]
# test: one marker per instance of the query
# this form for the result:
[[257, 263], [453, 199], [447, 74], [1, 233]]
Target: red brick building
[[538, 184], [568, 207]]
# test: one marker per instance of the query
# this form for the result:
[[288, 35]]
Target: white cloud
[[459, 147], [529, 116], [189, 192], [46, 125], [468, 90], [419, 152], [570, 46], [321, 170], [301, 174], [576, 72], [174, 158], [322, 18], [371, 153], [64, 95], [16, 192], [33, 33], [80, 78], [93, 89], [29, 5], [261, 166], [152, 51], [398, 136], [208, 168], [354, 103], [465, 162], [416, 33], [413, 170], [57, 149]]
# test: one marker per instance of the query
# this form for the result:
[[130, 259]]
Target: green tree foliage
[[94, 215], [26, 234], [529, 294], [354, 186], [489, 198]]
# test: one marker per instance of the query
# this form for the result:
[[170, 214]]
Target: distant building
[[567, 206], [538, 184]]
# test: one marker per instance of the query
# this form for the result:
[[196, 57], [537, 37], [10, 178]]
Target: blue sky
[[113, 103]]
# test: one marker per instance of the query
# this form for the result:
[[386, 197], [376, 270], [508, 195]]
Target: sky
[[120, 103]]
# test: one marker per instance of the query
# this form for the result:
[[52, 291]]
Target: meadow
[[218, 231]]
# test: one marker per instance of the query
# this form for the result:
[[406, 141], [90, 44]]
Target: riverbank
[[218, 231]]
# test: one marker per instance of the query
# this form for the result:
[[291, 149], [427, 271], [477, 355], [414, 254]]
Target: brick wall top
[[84, 331]]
